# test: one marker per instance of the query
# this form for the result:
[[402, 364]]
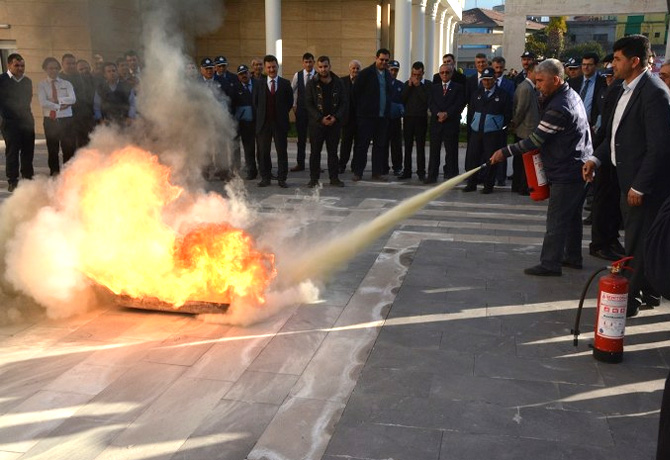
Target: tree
[[556, 30], [537, 43], [580, 49]]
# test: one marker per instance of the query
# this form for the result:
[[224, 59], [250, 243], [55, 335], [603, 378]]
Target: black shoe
[[422, 177], [336, 182], [282, 184], [298, 168], [356, 178], [501, 183], [264, 183], [470, 188], [539, 270], [618, 249], [487, 190], [313, 183], [251, 176], [632, 309], [588, 220], [576, 266], [430, 181], [405, 176], [604, 254], [12, 186], [650, 300]]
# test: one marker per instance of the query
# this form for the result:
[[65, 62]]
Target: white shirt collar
[[631, 86], [11, 75], [531, 82]]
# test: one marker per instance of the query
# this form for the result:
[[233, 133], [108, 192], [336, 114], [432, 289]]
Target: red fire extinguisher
[[537, 181], [610, 314]]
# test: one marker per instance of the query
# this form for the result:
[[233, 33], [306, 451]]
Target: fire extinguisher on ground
[[610, 313], [537, 180]]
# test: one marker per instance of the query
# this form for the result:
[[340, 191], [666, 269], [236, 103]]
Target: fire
[[127, 246]]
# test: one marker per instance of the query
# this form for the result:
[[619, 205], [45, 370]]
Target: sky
[[482, 3]]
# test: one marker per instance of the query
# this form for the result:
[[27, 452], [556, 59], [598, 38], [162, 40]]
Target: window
[[601, 38], [657, 34]]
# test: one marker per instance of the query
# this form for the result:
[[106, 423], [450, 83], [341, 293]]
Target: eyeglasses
[[444, 73]]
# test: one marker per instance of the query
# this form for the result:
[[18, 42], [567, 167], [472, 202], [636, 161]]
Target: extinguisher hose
[[575, 331]]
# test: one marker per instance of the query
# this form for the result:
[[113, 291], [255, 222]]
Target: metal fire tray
[[191, 307]]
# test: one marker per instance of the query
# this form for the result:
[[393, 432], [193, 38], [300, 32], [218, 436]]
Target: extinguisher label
[[539, 170], [612, 318]]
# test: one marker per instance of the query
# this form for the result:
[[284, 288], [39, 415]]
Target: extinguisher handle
[[486, 165]]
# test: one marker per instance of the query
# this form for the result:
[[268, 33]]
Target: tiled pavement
[[432, 344]]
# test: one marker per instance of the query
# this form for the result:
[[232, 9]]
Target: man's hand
[[441, 117], [497, 157], [634, 198], [588, 170]]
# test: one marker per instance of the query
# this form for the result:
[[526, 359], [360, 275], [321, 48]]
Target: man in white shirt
[[56, 96], [298, 84]]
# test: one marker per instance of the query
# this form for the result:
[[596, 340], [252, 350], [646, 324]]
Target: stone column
[[451, 32], [273, 40], [429, 62], [402, 45], [514, 38], [439, 38], [418, 29], [446, 31], [386, 16]]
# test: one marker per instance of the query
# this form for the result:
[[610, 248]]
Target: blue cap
[[206, 62], [242, 68], [607, 71], [221, 60], [394, 65], [488, 73], [528, 54], [572, 62]]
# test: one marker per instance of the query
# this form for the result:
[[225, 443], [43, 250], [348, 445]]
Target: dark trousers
[[318, 134], [563, 238], [370, 129], [415, 130], [480, 148], [60, 135], [264, 138], [394, 141], [501, 173], [83, 127], [637, 222], [246, 131], [663, 448], [301, 121], [348, 136], [605, 209], [443, 134], [519, 182], [19, 150]]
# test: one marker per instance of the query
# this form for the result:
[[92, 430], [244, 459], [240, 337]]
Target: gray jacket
[[526, 110]]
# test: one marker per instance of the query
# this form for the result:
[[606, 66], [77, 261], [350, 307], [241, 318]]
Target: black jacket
[[367, 91], [453, 103], [600, 85], [416, 99], [314, 100], [283, 102], [15, 99]]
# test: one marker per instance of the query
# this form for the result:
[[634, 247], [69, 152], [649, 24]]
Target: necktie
[[444, 89], [585, 88], [54, 96], [272, 87], [248, 88], [488, 94]]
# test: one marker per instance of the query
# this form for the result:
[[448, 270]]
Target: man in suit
[[491, 112], [416, 97], [527, 58], [636, 143], [507, 85], [326, 103], [525, 118], [349, 121], [447, 100], [394, 132], [372, 93], [298, 84], [18, 124], [457, 76], [564, 139], [272, 101], [589, 86], [242, 104], [472, 83]]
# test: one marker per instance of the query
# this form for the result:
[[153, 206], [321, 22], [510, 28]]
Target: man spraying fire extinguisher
[[564, 140]]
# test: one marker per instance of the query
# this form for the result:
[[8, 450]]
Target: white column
[[439, 39], [273, 40], [445, 36], [418, 30], [429, 62], [451, 33], [401, 40]]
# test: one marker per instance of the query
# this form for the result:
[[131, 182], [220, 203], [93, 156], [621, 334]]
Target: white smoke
[[188, 129]]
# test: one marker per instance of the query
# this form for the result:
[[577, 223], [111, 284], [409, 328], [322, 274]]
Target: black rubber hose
[[575, 331]]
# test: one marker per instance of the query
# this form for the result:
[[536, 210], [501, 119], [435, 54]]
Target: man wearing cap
[[326, 102], [226, 79], [491, 112], [298, 84], [564, 139], [416, 97], [394, 133], [349, 122], [242, 103], [446, 104], [527, 58], [373, 93], [207, 78], [272, 100], [573, 68], [472, 84]]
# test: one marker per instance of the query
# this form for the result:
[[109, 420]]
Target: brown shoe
[[297, 168]]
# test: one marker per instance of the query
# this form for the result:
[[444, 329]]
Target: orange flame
[[127, 246]]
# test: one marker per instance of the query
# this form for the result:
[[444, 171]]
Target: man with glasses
[[589, 86]]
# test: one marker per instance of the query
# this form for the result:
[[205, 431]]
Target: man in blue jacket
[[564, 139], [394, 132]]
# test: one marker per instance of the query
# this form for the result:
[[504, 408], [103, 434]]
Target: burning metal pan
[[190, 307]]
